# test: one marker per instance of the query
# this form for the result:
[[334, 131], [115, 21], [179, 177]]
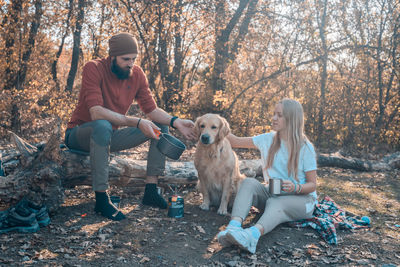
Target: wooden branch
[[23, 147]]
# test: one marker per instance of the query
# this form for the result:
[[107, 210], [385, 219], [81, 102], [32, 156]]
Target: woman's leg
[[251, 193], [284, 209], [277, 210]]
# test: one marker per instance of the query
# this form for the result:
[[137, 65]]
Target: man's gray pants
[[99, 138]]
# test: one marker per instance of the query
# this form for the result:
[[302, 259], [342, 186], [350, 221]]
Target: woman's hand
[[288, 186]]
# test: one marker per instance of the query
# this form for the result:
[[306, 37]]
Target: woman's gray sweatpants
[[277, 209], [99, 138]]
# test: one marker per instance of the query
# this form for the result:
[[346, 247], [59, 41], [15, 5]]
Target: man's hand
[[147, 127], [186, 127]]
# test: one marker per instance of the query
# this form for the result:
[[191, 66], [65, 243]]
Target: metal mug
[[275, 186]]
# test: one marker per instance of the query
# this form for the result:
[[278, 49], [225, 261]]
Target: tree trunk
[[20, 77], [171, 95], [387, 71], [77, 42], [97, 33], [226, 50], [31, 44], [60, 48], [11, 23], [323, 71]]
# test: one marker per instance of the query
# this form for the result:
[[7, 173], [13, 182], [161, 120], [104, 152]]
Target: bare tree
[[11, 24], [321, 18], [76, 46], [227, 43], [61, 46], [387, 59], [16, 73]]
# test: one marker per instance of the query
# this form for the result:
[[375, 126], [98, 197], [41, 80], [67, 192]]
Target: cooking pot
[[169, 145]]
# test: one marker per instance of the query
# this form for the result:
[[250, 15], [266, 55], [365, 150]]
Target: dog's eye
[[213, 127], [202, 126]]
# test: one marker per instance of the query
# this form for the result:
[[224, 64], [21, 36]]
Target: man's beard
[[121, 73]]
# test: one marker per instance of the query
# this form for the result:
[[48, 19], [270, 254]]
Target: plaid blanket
[[328, 217]]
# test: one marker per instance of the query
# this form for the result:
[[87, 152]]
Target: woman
[[286, 154]]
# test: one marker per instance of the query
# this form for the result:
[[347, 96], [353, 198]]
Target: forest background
[[340, 59]]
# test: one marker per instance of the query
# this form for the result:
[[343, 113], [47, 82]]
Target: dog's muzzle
[[205, 139]]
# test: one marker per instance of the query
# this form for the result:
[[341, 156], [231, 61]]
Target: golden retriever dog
[[216, 163]]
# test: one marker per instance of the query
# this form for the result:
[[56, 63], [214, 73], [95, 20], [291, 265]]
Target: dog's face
[[211, 128]]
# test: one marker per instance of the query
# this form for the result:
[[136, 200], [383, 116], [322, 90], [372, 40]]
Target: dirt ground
[[148, 237]]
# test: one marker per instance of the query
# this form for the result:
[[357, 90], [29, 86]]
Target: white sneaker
[[222, 235], [243, 238]]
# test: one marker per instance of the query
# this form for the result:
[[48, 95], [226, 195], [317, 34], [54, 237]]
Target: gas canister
[[175, 206]]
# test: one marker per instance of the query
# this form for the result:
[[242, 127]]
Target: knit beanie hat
[[122, 44]]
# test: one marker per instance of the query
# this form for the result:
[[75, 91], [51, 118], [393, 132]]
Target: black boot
[[107, 208], [152, 198]]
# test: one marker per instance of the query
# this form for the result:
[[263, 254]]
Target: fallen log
[[336, 160], [42, 172]]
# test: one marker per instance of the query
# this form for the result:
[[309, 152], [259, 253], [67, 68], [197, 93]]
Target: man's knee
[[102, 132]]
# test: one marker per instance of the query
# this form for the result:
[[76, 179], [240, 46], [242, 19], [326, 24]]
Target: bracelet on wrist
[[300, 187], [137, 125], [171, 123]]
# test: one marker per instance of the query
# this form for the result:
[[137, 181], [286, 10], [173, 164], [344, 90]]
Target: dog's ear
[[224, 129], [197, 127]]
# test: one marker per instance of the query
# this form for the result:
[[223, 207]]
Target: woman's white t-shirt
[[307, 160]]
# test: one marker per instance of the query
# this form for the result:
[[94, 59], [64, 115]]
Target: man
[[109, 86]]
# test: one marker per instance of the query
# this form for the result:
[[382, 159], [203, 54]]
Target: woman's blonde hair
[[294, 117]]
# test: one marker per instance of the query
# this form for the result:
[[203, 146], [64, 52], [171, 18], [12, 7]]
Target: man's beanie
[[122, 44]]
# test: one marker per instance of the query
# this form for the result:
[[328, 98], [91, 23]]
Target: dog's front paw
[[222, 211], [204, 206]]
